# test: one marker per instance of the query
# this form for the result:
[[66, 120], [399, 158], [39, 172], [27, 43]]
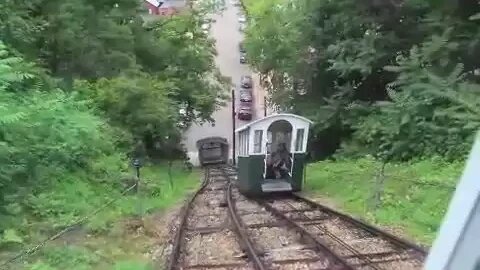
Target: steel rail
[[174, 256], [320, 246], [338, 240], [246, 242], [370, 228]]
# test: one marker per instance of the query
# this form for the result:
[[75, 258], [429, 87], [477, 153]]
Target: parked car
[[242, 27], [245, 95], [205, 28], [209, 20], [243, 58], [242, 19], [246, 81], [245, 112], [241, 47]]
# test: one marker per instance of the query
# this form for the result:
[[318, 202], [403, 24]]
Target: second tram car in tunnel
[[212, 150], [271, 154]]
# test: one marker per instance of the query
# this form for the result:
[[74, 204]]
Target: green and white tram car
[[264, 144]]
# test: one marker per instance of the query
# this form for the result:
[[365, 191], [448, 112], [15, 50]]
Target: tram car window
[[299, 139], [258, 141], [273, 162], [212, 150]]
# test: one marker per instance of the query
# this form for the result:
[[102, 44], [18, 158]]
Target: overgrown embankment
[[413, 197], [128, 234], [81, 84]]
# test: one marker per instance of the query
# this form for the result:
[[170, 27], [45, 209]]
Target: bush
[[49, 140]]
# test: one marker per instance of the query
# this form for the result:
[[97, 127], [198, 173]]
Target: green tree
[[375, 76], [106, 46], [43, 136]]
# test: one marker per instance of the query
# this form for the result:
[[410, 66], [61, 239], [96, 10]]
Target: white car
[[242, 19], [242, 27]]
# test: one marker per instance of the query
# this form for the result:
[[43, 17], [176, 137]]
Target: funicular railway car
[[212, 150], [271, 154]]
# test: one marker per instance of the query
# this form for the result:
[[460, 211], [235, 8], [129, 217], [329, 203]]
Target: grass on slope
[[117, 238], [415, 197]]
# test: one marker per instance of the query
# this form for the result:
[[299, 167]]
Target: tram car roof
[[266, 121], [214, 139]]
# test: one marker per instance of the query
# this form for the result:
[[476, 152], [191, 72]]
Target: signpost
[[265, 106], [137, 164]]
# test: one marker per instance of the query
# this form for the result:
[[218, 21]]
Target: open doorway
[[278, 159]]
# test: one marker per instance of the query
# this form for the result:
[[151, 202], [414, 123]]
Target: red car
[[245, 112], [245, 95], [246, 81]]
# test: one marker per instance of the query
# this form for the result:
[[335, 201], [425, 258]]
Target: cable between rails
[[78, 222]]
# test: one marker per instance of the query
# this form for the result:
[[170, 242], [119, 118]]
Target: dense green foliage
[[415, 196], [117, 61], [117, 238], [396, 79], [82, 83]]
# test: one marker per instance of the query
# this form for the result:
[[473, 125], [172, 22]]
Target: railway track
[[361, 245], [276, 243], [205, 239], [222, 229]]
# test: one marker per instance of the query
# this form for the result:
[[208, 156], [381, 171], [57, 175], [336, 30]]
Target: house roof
[[173, 3]]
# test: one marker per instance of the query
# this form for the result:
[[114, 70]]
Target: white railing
[[265, 161], [291, 166], [265, 166]]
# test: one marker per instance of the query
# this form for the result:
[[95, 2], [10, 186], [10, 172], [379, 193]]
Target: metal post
[[233, 127], [137, 180], [264, 106], [137, 164], [170, 173]]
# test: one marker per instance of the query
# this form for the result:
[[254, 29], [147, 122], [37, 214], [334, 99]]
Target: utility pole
[[233, 126], [265, 106]]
